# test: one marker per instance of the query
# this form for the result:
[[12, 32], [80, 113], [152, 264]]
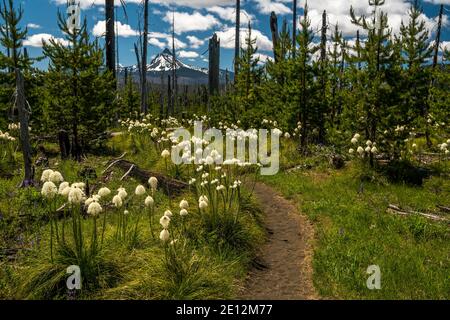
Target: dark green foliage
[[78, 91]]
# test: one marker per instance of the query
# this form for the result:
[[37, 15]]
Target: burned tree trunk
[[24, 134], [274, 30], [294, 27], [64, 144], [110, 37], [214, 62], [169, 96], [237, 43], [144, 104]]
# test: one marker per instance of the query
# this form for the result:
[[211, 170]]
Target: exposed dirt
[[283, 269]]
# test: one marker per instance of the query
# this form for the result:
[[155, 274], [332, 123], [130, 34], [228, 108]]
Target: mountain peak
[[166, 51]]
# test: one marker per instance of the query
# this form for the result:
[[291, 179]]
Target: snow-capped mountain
[[161, 67]]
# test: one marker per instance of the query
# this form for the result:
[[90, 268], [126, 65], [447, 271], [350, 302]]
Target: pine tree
[[11, 37], [375, 55], [335, 53], [77, 90], [416, 51], [249, 76], [307, 72]]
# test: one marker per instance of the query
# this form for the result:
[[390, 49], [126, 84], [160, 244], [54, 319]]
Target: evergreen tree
[[11, 37], [77, 87], [250, 75], [307, 72], [376, 58], [416, 51]]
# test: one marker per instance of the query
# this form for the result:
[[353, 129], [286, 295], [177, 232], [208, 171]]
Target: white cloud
[[36, 40], [185, 22], [227, 38], [188, 54], [155, 42], [164, 40], [338, 12], [229, 14], [33, 26], [195, 42], [124, 30], [263, 58], [267, 6]]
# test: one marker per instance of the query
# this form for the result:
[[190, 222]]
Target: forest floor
[[283, 267]]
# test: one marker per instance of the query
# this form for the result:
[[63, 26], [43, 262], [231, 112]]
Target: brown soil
[[283, 269]]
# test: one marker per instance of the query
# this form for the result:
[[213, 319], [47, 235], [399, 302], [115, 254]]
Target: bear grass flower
[[164, 221], [183, 212], [62, 187], [65, 192], [184, 204], [46, 175], [164, 235], [203, 204], [165, 154], [75, 196], [104, 192], [168, 213], [94, 209], [56, 177], [149, 202], [351, 151], [89, 201], [354, 140], [49, 190], [117, 201], [360, 150], [79, 185], [153, 182], [122, 193], [140, 190]]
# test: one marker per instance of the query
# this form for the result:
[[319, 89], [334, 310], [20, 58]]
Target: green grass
[[212, 268], [353, 231]]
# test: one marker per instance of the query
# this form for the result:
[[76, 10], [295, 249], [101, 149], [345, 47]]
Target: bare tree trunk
[[24, 134], [174, 67], [435, 62], [237, 43], [169, 95], [274, 30], [294, 27], [214, 62], [144, 104], [110, 37]]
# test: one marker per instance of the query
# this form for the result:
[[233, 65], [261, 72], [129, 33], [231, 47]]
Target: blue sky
[[197, 20]]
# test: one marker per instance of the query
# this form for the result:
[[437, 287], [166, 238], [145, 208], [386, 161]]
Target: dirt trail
[[282, 270]]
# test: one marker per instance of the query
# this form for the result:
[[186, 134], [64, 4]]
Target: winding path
[[283, 268]]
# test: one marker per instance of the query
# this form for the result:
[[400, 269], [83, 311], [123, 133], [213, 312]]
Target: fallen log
[[445, 209], [395, 209], [169, 185]]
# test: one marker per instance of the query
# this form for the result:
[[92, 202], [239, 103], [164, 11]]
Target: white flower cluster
[[444, 147], [297, 129], [369, 149], [6, 136]]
